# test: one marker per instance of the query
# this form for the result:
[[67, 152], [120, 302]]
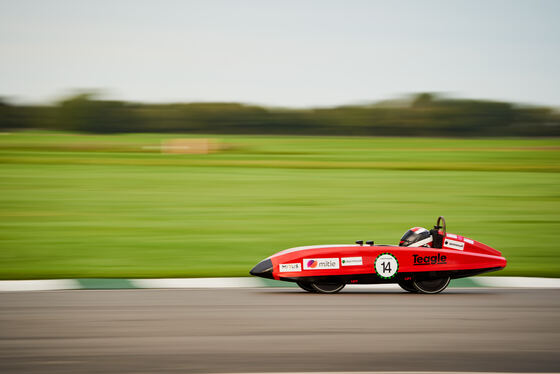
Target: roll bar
[[441, 219]]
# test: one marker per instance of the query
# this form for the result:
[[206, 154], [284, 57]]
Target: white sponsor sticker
[[351, 261], [386, 265], [290, 267], [320, 263], [454, 244], [452, 236], [470, 241]]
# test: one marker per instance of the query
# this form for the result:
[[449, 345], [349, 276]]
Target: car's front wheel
[[306, 286], [431, 285], [333, 287]]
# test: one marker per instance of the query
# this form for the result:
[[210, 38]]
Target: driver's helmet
[[416, 237]]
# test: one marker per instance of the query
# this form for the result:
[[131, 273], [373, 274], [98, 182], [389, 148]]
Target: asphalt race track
[[278, 330]]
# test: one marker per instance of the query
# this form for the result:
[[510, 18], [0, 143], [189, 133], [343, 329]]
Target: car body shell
[[458, 257]]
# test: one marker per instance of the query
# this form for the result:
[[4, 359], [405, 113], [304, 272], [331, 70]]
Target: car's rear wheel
[[407, 285], [431, 285], [306, 286], [331, 287]]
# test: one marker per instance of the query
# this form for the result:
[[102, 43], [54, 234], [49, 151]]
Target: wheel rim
[[327, 287], [431, 285]]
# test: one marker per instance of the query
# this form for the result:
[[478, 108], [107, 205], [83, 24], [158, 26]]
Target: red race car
[[424, 262]]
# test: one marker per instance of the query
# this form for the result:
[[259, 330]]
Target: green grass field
[[106, 206]]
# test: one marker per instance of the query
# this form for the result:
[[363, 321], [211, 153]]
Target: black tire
[[407, 285], [306, 287], [328, 287], [431, 286]]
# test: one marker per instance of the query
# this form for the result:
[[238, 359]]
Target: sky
[[280, 53]]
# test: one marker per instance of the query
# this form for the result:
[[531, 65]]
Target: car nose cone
[[263, 269]]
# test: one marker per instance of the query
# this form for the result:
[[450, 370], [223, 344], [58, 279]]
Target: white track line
[[518, 282], [197, 283], [246, 282], [39, 285]]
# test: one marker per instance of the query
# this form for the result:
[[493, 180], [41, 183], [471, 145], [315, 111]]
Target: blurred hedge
[[421, 115]]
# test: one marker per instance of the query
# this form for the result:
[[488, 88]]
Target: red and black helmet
[[416, 237]]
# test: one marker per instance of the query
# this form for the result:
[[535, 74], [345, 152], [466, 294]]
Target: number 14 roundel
[[386, 265]]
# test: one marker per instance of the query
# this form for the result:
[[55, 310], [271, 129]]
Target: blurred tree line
[[421, 115]]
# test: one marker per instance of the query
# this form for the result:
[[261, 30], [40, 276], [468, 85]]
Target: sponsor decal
[[454, 244], [429, 260], [290, 267], [453, 236], [351, 261], [320, 263], [470, 241], [386, 265]]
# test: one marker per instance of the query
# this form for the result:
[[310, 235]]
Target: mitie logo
[[320, 263], [430, 260]]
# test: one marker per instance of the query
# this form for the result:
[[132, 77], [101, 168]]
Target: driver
[[416, 237]]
